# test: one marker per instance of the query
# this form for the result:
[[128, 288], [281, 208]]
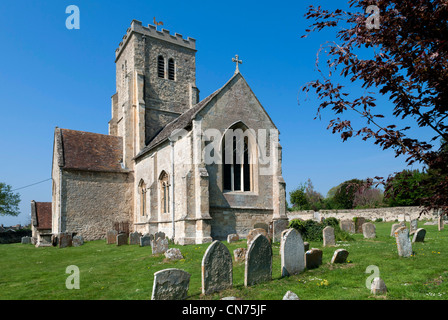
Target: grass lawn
[[126, 272]]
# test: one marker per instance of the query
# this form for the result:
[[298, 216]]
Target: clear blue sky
[[51, 76]]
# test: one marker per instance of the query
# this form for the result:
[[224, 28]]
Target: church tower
[[155, 83]]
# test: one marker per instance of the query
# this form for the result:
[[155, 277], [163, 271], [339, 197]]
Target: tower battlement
[[151, 31]]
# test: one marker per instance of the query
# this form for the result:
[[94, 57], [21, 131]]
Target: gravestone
[[111, 236], [159, 234], [347, 225], [292, 252], [65, 239], [404, 245], [328, 236], [413, 226], [134, 237], [122, 239], [440, 222], [231, 238], [173, 254], [394, 227], [217, 269], [159, 245], [77, 241], [313, 258], [255, 232], [358, 224], [290, 296], [378, 286], [278, 227], [146, 240], [339, 256], [419, 235], [306, 246], [239, 254], [26, 240], [170, 284], [369, 230], [258, 266]]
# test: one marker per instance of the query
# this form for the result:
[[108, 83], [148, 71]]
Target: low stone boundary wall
[[14, 236], [387, 214]]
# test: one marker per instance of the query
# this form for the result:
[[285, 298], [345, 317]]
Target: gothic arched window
[[171, 69], [161, 67], [164, 192]]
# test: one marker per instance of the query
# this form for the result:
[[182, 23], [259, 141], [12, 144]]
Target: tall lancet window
[[142, 192], [237, 159], [164, 192], [161, 67], [171, 69]]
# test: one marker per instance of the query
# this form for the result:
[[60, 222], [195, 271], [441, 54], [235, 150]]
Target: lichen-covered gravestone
[[217, 269], [64, 239], [394, 227], [369, 230], [232, 238], [359, 221], [255, 232], [413, 226], [404, 245], [292, 252], [170, 284], [111, 236], [258, 266], [77, 241], [347, 225], [239, 254], [159, 245], [134, 237], [328, 236], [419, 235]]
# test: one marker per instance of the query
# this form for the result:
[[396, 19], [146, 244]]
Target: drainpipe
[[172, 189]]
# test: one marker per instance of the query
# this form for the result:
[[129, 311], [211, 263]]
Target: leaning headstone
[[347, 225], [359, 221], [254, 233], [170, 284], [26, 240], [328, 236], [440, 222], [65, 239], [413, 226], [159, 245], [378, 286], [394, 227], [313, 258], [419, 235], [292, 253], [122, 239], [111, 236], [217, 269], [146, 240], [258, 261], [290, 296], [231, 238], [239, 254], [173, 254], [404, 245], [77, 241], [134, 237], [369, 230], [339, 256]]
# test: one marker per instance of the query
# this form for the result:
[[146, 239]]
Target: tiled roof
[[43, 215]]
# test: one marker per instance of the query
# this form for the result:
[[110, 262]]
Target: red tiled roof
[[43, 215], [91, 151]]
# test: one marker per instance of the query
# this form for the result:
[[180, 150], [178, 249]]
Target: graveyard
[[126, 272]]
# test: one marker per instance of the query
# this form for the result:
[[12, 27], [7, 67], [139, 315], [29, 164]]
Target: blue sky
[[51, 76]]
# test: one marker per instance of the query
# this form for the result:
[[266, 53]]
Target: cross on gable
[[237, 63]]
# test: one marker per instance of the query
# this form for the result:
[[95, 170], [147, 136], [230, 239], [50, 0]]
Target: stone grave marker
[[134, 237], [328, 236], [440, 222], [65, 239], [159, 245], [255, 232], [339, 256], [258, 266], [111, 236], [404, 245], [289, 295], [170, 284], [306, 246], [278, 226], [358, 224], [26, 240], [369, 230], [413, 226], [347, 225], [233, 237], [173, 254], [239, 254], [378, 286], [217, 268], [146, 240], [313, 258], [394, 227], [419, 235], [122, 239], [292, 252], [159, 234], [77, 241]]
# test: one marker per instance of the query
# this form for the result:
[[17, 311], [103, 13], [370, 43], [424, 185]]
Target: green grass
[[126, 272]]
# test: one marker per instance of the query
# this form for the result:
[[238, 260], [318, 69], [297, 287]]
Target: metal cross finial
[[237, 63]]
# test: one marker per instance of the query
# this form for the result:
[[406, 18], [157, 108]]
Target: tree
[[408, 64], [298, 198], [345, 194], [9, 201], [405, 188]]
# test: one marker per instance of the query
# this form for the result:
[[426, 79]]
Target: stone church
[[197, 170]]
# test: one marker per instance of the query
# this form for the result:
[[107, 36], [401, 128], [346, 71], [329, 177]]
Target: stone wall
[[387, 214]]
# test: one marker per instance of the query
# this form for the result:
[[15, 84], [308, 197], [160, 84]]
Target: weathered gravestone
[[111, 236], [313, 258], [369, 230], [217, 269], [359, 221], [413, 226], [419, 235], [278, 226], [290, 296], [159, 245], [146, 240], [394, 227], [233, 237], [26, 240], [254, 233], [77, 241], [347, 225], [440, 222], [378, 286], [339, 256], [239, 254], [173, 254], [122, 239], [306, 246], [134, 237], [65, 239], [258, 266], [159, 234], [404, 245], [328, 236], [170, 284], [292, 252]]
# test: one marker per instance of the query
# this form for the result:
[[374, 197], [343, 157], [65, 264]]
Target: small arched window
[[161, 67], [164, 192], [171, 69], [142, 192]]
